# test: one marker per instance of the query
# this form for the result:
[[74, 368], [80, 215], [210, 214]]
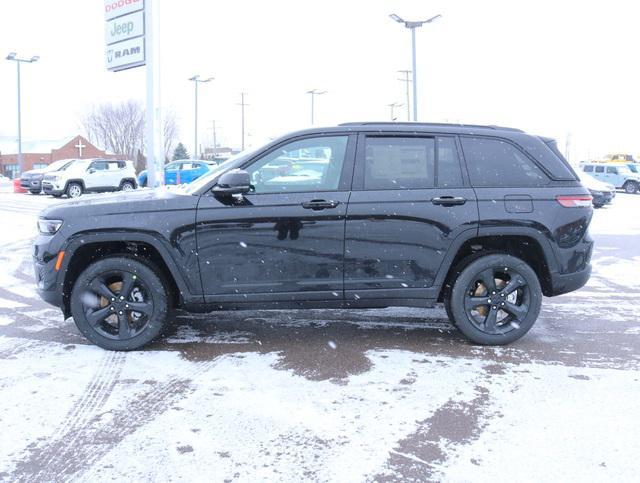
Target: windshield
[[230, 163], [60, 164]]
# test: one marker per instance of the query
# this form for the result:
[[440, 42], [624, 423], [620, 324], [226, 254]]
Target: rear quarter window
[[495, 162]]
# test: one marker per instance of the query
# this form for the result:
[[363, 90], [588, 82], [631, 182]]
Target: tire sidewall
[[127, 183], [631, 187], [156, 289], [460, 317], [69, 190]]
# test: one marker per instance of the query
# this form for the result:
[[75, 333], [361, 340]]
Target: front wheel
[[495, 299], [631, 187], [74, 190], [119, 303], [127, 186]]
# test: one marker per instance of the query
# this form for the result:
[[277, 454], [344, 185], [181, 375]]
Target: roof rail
[[432, 124]]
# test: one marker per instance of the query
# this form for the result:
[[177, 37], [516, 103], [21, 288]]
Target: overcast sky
[[548, 67]]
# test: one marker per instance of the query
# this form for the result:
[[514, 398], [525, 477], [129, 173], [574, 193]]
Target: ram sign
[[125, 55]]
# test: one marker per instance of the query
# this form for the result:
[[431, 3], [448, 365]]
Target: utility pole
[[242, 104], [407, 81], [13, 56], [213, 127], [314, 93], [196, 80], [412, 25], [391, 108]]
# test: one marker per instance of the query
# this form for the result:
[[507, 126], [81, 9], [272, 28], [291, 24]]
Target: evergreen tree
[[180, 152]]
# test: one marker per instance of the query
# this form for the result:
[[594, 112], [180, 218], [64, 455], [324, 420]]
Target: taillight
[[574, 201]]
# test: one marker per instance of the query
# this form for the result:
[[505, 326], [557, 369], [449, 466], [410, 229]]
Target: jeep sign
[[116, 8], [124, 28], [125, 55]]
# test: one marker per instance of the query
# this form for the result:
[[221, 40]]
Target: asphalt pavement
[[393, 394]]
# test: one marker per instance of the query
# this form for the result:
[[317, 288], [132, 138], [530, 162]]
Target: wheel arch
[[532, 248], [88, 247], [79, 181]]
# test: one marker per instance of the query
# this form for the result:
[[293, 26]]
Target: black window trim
[[359, 168], [517, 147]]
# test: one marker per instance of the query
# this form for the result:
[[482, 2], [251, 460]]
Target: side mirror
[[91, 170], [236, 181]]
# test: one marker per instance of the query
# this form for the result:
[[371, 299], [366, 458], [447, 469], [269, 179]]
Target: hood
[[33, 172], [139, 202]]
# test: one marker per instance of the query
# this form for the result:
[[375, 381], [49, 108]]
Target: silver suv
[[617, 174]]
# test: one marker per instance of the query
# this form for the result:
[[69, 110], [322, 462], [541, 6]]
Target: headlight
[[49, 227]]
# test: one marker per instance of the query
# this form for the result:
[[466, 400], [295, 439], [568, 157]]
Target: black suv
[[484, 219]]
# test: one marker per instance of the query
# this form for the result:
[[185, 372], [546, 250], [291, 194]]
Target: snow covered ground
[[383, 395]]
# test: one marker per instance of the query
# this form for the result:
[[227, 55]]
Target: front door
[[284, 241], [409, 202], [97, 175]]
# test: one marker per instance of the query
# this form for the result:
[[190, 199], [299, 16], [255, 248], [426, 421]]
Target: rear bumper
[[562, 283]]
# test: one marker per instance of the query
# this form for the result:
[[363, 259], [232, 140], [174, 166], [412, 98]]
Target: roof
[[415, 127], [9, 145]]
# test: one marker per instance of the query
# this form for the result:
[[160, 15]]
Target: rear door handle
[[320, 204], [449, 200]]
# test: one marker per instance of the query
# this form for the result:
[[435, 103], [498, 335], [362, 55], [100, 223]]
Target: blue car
[[181, 172]]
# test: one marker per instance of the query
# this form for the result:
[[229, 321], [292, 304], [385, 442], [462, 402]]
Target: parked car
[[90, 175], [617, 174], [181, 172], [32, 179], [485, 219], [602, 193]]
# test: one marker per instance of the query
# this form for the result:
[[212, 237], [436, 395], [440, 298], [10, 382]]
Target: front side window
[[611, 170], [599, 169], [311, 164], [493, 162], [399, 163], [99, 166]]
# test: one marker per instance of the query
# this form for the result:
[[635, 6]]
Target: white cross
[[80, 146]]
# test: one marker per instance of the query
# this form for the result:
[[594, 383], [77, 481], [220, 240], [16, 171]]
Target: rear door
[[408, 203]]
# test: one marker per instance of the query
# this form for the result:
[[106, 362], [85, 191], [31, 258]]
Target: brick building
[[39, 154]]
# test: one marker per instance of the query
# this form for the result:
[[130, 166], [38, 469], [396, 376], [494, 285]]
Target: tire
[[108, 320], [631, 187], [34, 192], [598, 205], [127, 186], [502, 314], [74, 190], [57, 196]]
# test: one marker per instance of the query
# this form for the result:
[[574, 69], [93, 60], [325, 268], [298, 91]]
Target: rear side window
[[588, 169], [599, 169], [493, 162], [612, 170], [399, 163]]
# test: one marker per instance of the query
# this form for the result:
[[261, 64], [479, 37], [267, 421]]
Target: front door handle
[[319, 204], [449, 200]]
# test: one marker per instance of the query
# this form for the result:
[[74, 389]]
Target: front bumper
[[48, 286], [51, 189]]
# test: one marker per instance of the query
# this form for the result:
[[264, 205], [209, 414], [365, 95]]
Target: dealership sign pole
[[129, 39]]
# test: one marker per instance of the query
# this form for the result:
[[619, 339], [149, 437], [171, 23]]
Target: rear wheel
[[119, 303], [495, 299], [74, 190], [631, 187]]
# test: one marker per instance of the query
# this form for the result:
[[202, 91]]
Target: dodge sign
[[116, 8]]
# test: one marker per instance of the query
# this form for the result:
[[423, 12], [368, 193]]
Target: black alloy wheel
[[119, 303], [495, 299]]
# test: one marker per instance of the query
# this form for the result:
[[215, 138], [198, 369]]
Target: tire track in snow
[[91, 433]]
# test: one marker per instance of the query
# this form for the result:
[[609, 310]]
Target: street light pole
[[13, 56], [196, 80], [412, 25], [314, 93]]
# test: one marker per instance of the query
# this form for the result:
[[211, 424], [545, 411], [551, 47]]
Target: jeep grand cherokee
[[485, 219]]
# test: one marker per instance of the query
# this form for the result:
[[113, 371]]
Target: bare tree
[[119, 128]]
